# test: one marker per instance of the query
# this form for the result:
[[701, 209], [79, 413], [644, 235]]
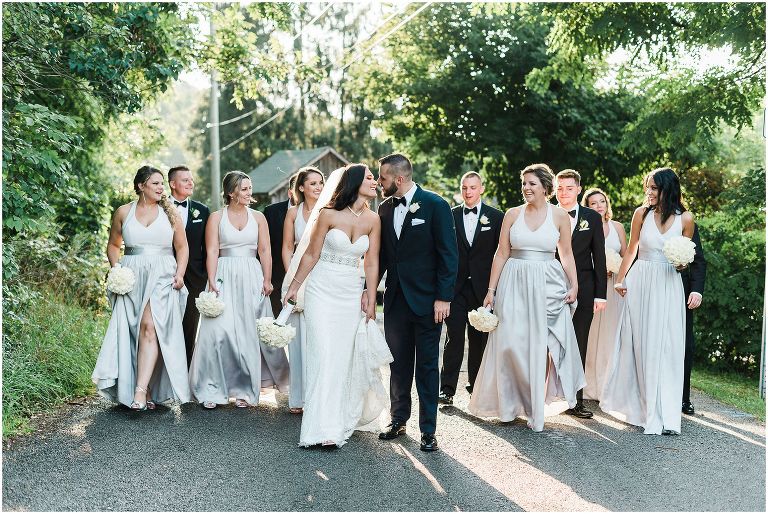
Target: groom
[[419, 254]]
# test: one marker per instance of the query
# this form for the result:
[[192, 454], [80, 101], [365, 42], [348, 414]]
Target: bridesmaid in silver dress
[[531, 363], [142, 358], [229, 361], [307, 188], [602, 332], [531, 366], [645, 381]]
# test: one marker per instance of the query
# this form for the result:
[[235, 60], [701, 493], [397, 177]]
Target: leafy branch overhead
[[666, 44]]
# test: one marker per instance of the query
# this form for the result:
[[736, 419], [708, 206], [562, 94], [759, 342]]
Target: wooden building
[[270, 178]]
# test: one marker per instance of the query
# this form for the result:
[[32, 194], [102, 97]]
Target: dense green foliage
[[729, 322], [454, 86], [49, 350], [684, 101]]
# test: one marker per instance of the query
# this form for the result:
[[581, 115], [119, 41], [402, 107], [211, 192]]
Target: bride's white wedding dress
[[344, 391]]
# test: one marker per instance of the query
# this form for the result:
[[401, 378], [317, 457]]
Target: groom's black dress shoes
[[393, 430], [579, 411], [688, 408], [445, 398], [428, 443]]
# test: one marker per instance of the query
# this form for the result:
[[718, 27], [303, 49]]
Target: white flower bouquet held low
[[679, 251], [483, 319], [612, 260], [209, 304], [120, 280], [272, 334]]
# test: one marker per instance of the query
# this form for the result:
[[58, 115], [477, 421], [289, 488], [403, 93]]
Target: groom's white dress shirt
[[402, 210]]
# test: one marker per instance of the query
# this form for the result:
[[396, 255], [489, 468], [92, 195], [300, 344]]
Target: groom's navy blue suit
[[421, 267]]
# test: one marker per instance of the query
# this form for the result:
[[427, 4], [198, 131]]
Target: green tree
[[453, 84], [685, 103]]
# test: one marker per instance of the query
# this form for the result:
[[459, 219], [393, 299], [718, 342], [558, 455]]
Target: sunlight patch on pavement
[[526, 488], [701, 421], [78, 429], [420, 467]]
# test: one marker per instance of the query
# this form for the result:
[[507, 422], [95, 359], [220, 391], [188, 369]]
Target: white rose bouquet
[[272, 334], [612, 260], [209, 304], [483, 319], [120, 280], [679, 251]]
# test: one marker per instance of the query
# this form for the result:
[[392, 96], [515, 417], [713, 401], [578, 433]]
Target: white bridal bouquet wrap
[[209, 304], [275, 332], [120, 280], [612, 260], [483, 319], [679, 250]]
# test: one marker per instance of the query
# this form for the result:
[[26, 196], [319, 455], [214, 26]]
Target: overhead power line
[[360, 56]]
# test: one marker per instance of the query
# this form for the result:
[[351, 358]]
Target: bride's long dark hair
[[347, 191]]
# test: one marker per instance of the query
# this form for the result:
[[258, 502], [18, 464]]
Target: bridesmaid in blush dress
[[602, 333], [531, 366], [229, 361], [143, 357], [645, 381]]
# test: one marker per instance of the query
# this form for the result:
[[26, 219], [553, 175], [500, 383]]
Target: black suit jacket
[[588, 243], [424, 261], [196, 274], [275, 214], [475, 260], [693, 275]]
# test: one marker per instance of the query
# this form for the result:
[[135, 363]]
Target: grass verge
[[49, 351], [731, 388]]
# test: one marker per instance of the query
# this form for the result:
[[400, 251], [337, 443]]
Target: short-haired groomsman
[[478, 227], [194, 216], [588, 244]]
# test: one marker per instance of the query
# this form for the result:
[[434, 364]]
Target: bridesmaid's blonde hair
[[597, 191]]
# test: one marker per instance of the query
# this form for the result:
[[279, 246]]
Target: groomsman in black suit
[[194, 216], [477, 233], [693, 285], [275, 214], [588, 243], [418, 252]]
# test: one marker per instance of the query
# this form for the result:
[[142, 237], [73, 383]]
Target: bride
[[345, 348]]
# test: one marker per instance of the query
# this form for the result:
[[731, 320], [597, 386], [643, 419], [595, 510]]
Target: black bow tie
[[572, 213], [183, 204], [400, 201], [467, 210]]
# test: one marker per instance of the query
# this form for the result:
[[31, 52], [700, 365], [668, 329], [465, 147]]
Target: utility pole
[[214, 120]]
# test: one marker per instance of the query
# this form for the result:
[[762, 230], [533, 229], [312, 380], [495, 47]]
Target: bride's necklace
[[357, 214]]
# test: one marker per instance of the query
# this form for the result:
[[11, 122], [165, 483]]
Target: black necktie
[[467, 210], [400, 201], [183, 204], [572, 213]]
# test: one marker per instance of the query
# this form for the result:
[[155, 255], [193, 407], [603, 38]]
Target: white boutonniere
[[414, 207], [583, 225], [195, 213], [484, 220]]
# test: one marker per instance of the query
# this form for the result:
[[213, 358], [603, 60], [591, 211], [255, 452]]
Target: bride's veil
[[322, 201]]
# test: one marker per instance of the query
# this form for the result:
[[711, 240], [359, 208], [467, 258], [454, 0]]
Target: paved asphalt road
[[101, 457]]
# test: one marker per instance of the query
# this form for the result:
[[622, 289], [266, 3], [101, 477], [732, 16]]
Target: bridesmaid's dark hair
[[349, 187], [670, 199], [141, 177]]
